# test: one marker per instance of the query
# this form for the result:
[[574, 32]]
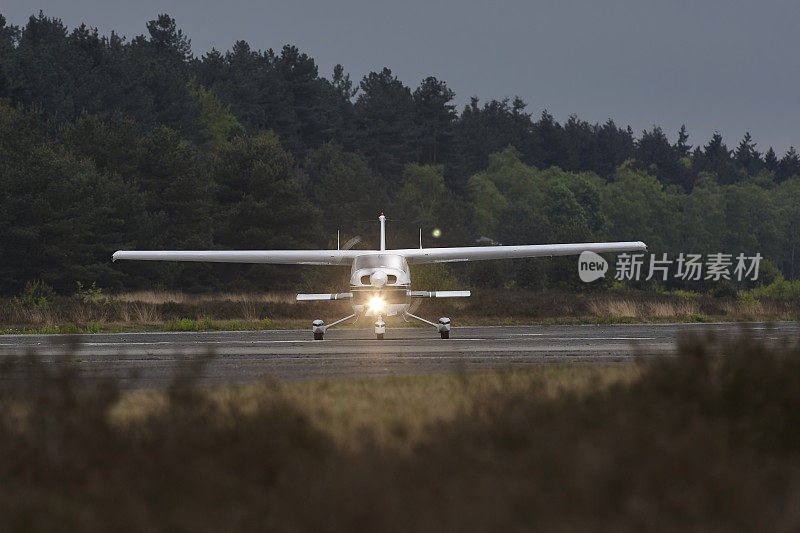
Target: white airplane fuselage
[[380, 284]]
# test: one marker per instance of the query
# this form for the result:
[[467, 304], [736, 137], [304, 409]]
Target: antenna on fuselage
[[337, 239], [382, 218], [420, 238]]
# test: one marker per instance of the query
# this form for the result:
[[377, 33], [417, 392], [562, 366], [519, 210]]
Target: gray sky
[[729, 66]]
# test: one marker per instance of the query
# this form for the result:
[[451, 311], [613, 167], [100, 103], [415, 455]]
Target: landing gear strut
[[443, 327], [319, 328]]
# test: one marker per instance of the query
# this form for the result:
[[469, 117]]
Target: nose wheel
[[380, 328]]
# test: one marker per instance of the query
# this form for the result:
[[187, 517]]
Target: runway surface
[[150, 360]]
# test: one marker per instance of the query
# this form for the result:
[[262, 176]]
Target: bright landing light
[[376, 304]]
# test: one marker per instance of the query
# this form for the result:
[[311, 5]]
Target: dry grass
[[162, 297], [680, 308], [143, 313], [389, 412], [611, 306], [397, 412], [156, 309]]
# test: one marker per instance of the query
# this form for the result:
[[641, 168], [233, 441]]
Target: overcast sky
[[728, 66]]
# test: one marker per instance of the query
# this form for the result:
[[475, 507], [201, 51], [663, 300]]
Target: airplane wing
[[285, 257], [345, 257], [417, 256]]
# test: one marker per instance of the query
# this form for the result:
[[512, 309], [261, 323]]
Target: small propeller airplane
[[380, 280]]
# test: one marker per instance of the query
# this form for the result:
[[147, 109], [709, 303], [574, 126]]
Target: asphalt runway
[[151, 360]]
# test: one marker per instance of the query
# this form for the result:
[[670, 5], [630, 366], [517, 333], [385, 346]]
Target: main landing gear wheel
[[444, 327], [318, 327]]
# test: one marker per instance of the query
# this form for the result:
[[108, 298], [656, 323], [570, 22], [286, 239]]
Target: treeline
[[109, 143]]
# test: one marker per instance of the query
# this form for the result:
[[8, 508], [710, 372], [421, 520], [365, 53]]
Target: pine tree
[[655, 154], [435, 116], [614, 146], [746, 156], [681, 146], [384, 111], [549, 137], [771, 160], [8, 38], [715, 157], [789, 165]]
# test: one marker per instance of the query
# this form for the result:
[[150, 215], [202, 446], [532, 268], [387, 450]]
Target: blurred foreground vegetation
[[707, 440]]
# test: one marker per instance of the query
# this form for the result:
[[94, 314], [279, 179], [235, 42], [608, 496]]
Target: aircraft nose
[[379, 278]]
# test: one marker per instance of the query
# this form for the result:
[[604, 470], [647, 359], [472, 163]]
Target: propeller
[[349, 244], [415, 303], [352, 242]]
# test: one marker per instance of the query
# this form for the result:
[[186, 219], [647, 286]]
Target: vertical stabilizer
[[382, 218]]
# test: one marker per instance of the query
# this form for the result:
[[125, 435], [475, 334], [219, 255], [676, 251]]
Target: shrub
[[183, 324], [686, 295], [35, 294], [93, 294], [53, 330], [780, 288], [187, 324], [749, 301], [725, 289]]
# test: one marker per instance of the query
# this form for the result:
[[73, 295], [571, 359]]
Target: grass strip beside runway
[[175, 311]]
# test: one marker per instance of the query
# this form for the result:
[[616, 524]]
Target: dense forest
[[110, 143]]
